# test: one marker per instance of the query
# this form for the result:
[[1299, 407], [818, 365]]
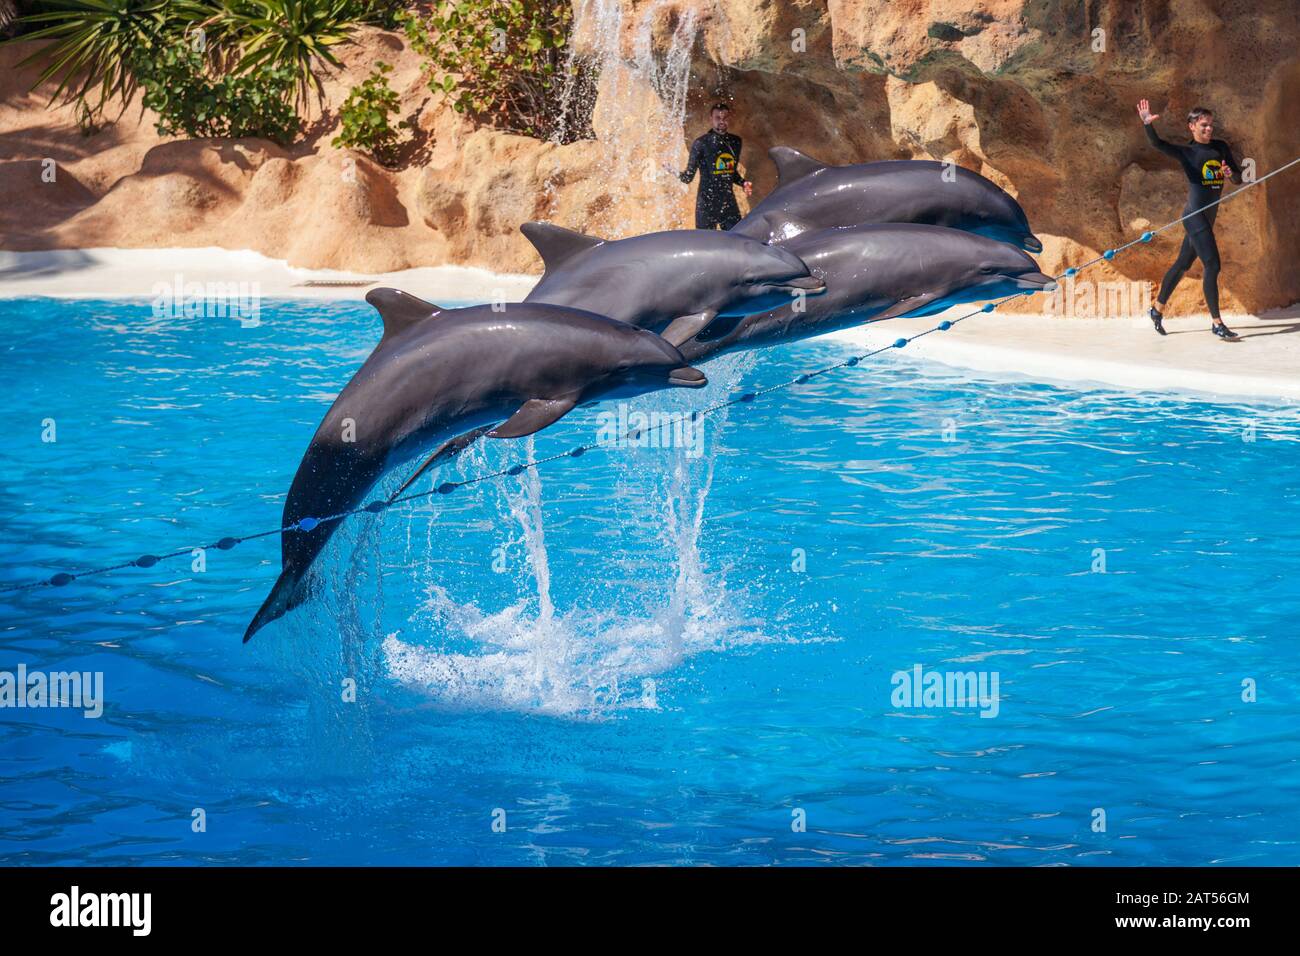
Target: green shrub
[[364, 116], [498, 61], [92, 42], [384, 13], [190, 101], [96, 42], [208, 67]]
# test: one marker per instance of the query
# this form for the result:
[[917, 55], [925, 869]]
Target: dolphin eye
[[988, 270]]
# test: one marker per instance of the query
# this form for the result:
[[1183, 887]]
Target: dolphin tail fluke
[[290, 590]]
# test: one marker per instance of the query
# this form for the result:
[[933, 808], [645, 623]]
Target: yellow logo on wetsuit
[[1212, 173], [724, 165]]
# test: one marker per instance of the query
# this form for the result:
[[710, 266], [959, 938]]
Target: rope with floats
[[64, 578]]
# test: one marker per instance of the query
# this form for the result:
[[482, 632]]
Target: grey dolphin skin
[[812, 195], [441, 378], [881, 271], [674, 282]]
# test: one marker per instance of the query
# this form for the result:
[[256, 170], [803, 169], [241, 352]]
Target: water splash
[[600, 655], [524, 501]]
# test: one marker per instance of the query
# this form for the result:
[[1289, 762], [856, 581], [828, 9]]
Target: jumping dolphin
[[812, 195], [673, 282], [441, 378], [881, 271]]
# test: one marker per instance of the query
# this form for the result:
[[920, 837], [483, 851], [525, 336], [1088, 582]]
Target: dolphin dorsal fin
[[555, 244], [400, 310], [792, 164]]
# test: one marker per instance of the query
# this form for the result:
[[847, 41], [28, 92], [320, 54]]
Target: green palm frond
[[92, 42], [94, 49], [290, 33]]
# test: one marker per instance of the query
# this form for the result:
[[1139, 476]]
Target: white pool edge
[[1063, 368], [134, 273], [1115, 353]]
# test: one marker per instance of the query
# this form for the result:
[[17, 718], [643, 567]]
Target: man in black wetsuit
[[716, 155], [1206, 162]]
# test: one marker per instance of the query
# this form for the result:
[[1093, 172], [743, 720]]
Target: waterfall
[[639, 111]]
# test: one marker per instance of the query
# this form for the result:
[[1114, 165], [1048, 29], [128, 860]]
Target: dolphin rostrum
[[673, 282], [441, 378], [881, 271], [812, 195]]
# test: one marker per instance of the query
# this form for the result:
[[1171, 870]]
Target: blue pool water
[[647, 655]]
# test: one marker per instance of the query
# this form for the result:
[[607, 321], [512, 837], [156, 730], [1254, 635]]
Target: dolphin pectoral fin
[[533, 415], [685, 327], [792, 164], [400, 310], [721, 328], [555, 244], [904, 306], [448, 449]]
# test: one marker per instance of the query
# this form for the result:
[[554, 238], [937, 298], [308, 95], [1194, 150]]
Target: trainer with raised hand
[[1206, 162], [716, 155]]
